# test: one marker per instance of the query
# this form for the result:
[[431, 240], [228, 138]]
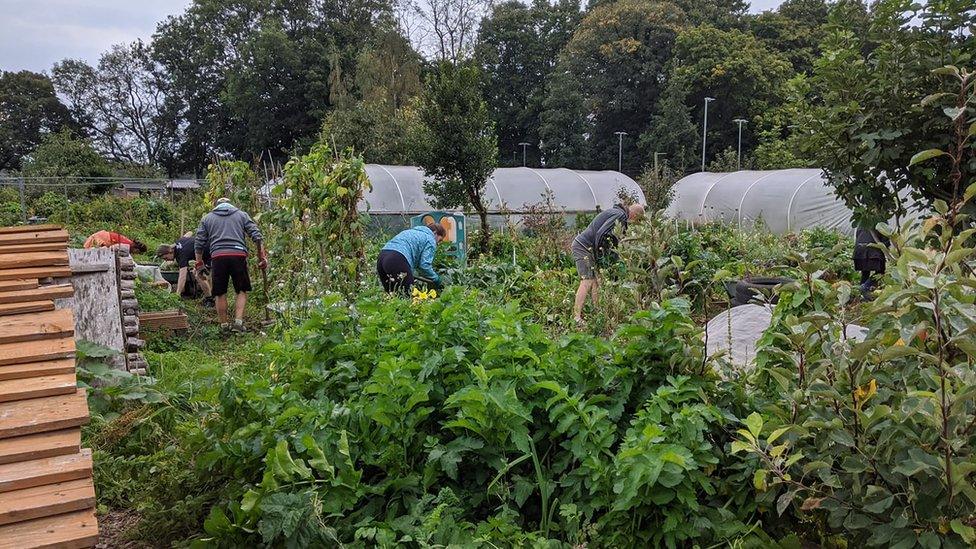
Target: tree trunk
[[485, 229]]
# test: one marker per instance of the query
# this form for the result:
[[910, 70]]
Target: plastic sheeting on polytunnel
[[400, 190], [783, 200]]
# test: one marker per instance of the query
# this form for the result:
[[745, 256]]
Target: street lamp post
[[705, 130], [738, 162], [523, 145], [620, 150], [656, 171]]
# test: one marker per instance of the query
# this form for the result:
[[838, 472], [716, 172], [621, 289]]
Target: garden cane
[[264, 287]]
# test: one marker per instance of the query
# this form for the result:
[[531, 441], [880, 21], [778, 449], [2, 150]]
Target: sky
[[35, 34]]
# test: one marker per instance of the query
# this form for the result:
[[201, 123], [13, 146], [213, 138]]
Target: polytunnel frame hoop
[[789, 207], [701, 209], [596, 202], [743, 199], [393, 177]]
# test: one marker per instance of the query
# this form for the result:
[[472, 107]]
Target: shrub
[[874, 440], [458, 421]]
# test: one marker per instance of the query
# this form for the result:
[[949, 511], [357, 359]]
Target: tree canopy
[[29, 110], [837, 84], [458, 147]]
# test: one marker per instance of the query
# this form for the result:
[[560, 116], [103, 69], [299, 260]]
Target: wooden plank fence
[[47, 497]]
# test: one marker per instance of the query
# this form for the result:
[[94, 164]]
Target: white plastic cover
[[400, 189], [736, 331], [784, 200]]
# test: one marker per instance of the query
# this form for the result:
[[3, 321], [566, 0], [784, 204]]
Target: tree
[[449, 26], [564, 124], [29, 110], [780, 135], [517, 50], [618, 56], [259, 76], [870, 114], [124, 104], [737, 69], [378, 116], [672, 132], [459, 148], [795, 29], [723, 14], [63, 155], [375, 129]]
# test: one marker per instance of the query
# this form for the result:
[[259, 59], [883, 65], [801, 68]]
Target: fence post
[[23, 200]]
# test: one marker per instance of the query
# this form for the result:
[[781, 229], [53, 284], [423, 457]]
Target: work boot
[[238, 327]]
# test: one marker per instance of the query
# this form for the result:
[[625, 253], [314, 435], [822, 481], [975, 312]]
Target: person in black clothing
[[868, 259], [182, 252]]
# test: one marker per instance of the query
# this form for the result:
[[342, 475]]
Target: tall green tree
[[673, 133], [124, 104], [517, 48], [794, 29], [618, 56], [744, 76], [61, 154], [563, 123], [724, 14], [458, 145], [259, 76], [870, 113], [29, 110], [379, 118]]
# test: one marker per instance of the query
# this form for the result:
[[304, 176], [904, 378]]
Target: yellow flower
[[420, 296], [900, 342]]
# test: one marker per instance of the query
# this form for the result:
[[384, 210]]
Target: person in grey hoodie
[[222, 231], [596, 242]]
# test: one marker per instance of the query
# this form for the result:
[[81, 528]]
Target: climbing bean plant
[[234, 179], [318, 242]]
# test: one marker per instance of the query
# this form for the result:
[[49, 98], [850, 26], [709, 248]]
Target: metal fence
[[30, 189]]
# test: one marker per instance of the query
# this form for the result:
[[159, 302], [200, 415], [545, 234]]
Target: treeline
[[261, 80]]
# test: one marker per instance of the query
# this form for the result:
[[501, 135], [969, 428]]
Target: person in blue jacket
[[411, 250]]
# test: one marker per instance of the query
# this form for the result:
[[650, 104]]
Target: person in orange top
[[108, 239]]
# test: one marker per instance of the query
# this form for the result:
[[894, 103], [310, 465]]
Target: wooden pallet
[[47, 496], [173, 319]]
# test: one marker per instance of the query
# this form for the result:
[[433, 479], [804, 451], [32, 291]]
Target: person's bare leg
[[595, 291], [584, 289], [240, 301], [222, 308]]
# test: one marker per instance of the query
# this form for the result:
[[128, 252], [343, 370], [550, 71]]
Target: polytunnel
[[783, 200], [400, 190]]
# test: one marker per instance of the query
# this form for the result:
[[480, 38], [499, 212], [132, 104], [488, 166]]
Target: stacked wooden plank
[[172, 319], [126, 268], [47, 498]]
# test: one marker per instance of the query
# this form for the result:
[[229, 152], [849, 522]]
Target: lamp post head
[[620, 133], [524, 144], [740, 120], [709, 99]]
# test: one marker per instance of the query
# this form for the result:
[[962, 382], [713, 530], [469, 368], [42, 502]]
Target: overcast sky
[[34, 34]]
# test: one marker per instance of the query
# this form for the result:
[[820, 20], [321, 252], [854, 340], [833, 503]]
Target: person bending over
[[108, 239], [183, 252], [411, 250], [222, 231], [595, 243]]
